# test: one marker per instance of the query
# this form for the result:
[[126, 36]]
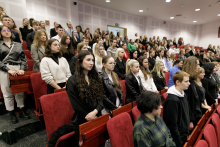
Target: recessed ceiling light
[[107, 1], [168, 1], [141, 10], [194, 21], [197, 9], [171, 17], [218, 15]]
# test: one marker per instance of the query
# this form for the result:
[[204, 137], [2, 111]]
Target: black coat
[[74, 42], [120, 68], [53, 32], [133, 90], [110, 92], [68, 55], [17, 37], [30, 39], [72, 64], [159, 82], [151, 62], [106, 46]]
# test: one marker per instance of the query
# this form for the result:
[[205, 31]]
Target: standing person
[[177, 65], [158, 76], [112, 49], [132, 81], [47, 26], [79, 33], [99, 53], [151, 60], [112, 88], [75, 40], [167, 61], [107, 42], [120, 66], [150, 129], [13, 27], [53, 30], [145, 75], [60, 32], [69, 29], [66, 47], [54, 68], [215, 75], [131, 45], [174, 42], [85, 91], [13, 62], [25, 29], [176, 109], [38, 48]]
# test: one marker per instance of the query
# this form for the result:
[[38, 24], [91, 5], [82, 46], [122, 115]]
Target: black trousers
[[50, 89]]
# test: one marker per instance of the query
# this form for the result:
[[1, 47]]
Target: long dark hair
[[143, 69], [95, 90], [63, 44], [48, 52], [201, 58], [131, 54], [208, 67]]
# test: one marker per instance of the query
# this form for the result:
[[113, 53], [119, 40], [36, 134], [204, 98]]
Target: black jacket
[[74, 42], [110, 92], [133, 90], [187, 55], [151, 62], [53, 32], [106, 46], [68, 55], [120, 68], [159, 82], [17, 37], [30, 39], [72, 64], [210, 49]]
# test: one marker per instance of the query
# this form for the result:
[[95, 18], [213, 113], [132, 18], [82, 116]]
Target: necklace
[[198, 83]]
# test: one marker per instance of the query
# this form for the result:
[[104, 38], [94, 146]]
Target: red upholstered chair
[[167, 77], [135, 113], [65, 140], [218, 110], [177, 55], [39, 88], [124, 90], [57, 111], [164, 96], [24, 44], [210, 136], [202, 143], [120, 130], [28, 54], [30, 65], [216, 123]]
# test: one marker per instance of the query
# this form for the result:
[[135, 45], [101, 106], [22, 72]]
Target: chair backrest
[[163, 91], [167, 77], [39, 88], [125, 108], [28, 54], [24, 44], [210, 136], [124, 90], [135, 113], [120, 130], [218, 110], [30, 65], [164, 96], [57, 111], [202, 143], [216, 123]]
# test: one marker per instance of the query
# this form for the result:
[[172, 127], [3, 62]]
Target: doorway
[[115, 30]]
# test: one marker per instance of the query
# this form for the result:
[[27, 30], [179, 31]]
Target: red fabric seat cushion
[[202, 143], [210, 136], [216, 123], [30, 65], [135, 113]]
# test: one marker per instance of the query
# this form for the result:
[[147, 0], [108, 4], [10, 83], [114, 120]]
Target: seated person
[[134, 54], [176, 109], [149, 129], [120, 66]]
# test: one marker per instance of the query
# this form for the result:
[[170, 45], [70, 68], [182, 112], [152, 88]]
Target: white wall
[[209, 34]]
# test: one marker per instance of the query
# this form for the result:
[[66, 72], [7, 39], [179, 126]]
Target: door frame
[[118, 27]]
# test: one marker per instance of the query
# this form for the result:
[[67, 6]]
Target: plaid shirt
[[148, 133]]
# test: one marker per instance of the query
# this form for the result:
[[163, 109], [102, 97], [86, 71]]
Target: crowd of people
[[90, 67]]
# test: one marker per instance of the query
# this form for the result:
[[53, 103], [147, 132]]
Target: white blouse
[[98, 67], [147, 84], [162, 60]]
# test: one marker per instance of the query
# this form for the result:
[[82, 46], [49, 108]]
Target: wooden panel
[[125, 108], [163, 91], [59, 90], [21, 88]]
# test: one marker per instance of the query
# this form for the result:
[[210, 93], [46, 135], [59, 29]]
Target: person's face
[[43, 37], [152, 54], [217, 67], [100, 42], [161, 66], [157, 111], [121, 38], [121, 54], [162, 53], [135, 55], [86, 42], [110, 65], [67, 40], [131, 41], [84, 48], [5, 32], [11, 23], [145, 54], [88, 35], [48, 23], [114, 43], [26, 22], [135, 68], [197, 66], [204, 56], [145, 63], [184, 85], [201, 75], [69, 25], [74, 33], [124, 46], [37, 27], [6, 21], [42, 24], [107, 31], [78, 29], [180, 64], [56, 24], [101, 51], [55, 47], [183, 52], [60, 31], [148, 47], [88, 62]]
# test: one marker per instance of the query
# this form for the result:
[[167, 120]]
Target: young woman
[[42, 25], [95, 41], [124, 46], [136, 43], [191, 66], [158, 76], [210, 84], [13, 62], [25, 28], [161, 58], [13, 27], [151, 60], [47, 26], [201, 90], [147, 48], [156, 50], [202, 59], [120, 66], [146, 76], [140, 48], [38, 48], [85, 91], [211, 49], [131, 45], [66, 47], [134, 54], [132, 81], [72, 63], [112, 49], [168, 63], [126, 40], [182, 53], [197, 53], [112, 87], [172, 58], [99, 54], [54, 68], [107, 42]]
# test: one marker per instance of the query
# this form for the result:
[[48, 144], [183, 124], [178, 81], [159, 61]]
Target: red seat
[[177, 55], [24, 44], [218, 110], [202, 143], [65, 140], [30, 65], [126, 108], [135, 113], [120, 130], [39, 88], [210, 136], [164, 96], [57, 111], [163, 91], [167, 76], [28, 54], [216, 123], [124, 90]]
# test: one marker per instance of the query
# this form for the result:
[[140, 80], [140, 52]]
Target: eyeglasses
[[4, 31]]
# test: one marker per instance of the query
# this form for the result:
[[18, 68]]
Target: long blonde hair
[[189, 65], [130, 63], [97, 54], [22, 26], [37, 36], [117, 51], [201, 70], [107, 42], [157, 69]]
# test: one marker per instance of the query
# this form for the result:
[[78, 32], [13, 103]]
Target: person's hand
[[13, 73], [166, 88], [208, 108], [20, 72], [92, 115], [64, 86], [157, 92], [191, 126], [216, 104], [58, 87]]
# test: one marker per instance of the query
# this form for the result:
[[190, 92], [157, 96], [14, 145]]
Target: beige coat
[[37, 54]]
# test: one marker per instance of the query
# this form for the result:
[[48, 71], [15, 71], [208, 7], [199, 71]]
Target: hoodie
[[176, 115]]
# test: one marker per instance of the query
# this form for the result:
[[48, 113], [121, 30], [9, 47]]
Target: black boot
[[14, 119], [23, 114]]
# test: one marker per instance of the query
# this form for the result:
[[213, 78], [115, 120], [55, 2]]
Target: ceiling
[[161, 10]]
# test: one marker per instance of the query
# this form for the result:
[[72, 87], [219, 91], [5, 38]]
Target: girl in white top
[[47, 26], [54, 68], [161, 58], [99, 54], [146, 76]]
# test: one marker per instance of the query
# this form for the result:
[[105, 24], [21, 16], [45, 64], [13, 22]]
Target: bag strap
[[8, 53]]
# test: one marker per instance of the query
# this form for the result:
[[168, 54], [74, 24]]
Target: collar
[[148, 120], [104, 75], [3, 43]]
